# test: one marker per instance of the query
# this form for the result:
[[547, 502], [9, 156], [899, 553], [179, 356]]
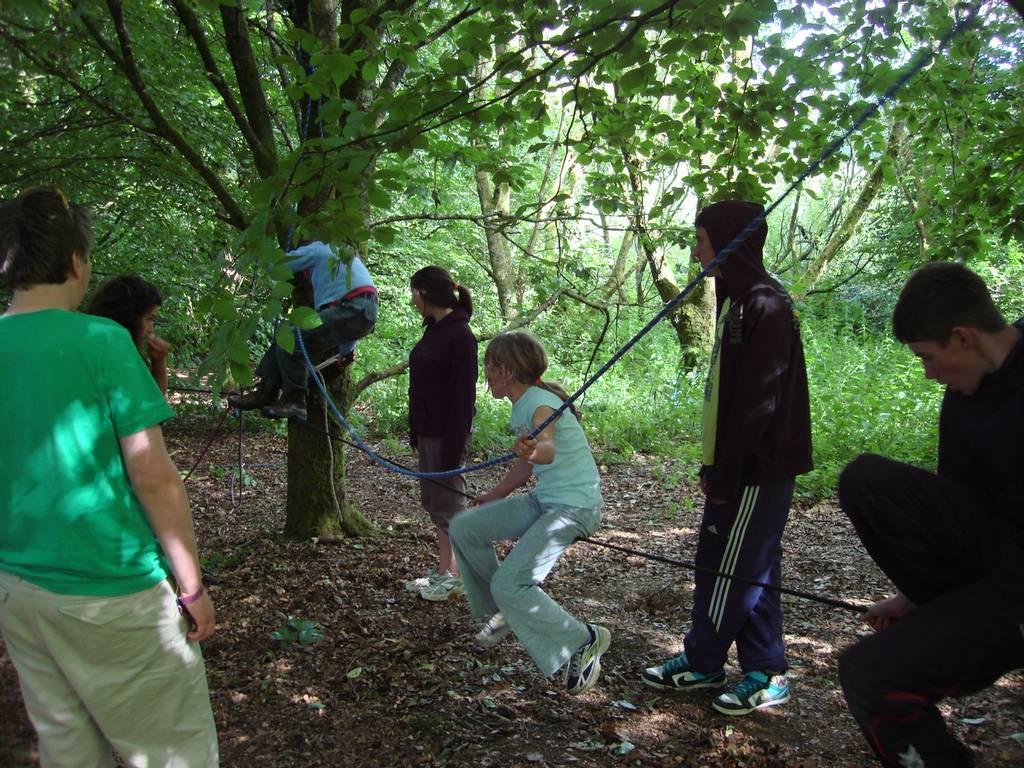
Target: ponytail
[[438, 287], [557, 391], [526, 360], [465, 299]]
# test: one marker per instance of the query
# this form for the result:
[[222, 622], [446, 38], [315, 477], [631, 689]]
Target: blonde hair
[[525, 358]]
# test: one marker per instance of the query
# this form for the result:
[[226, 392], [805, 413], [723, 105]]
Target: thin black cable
[[694, 567], [638, 553], [240, 483], [209, 443]]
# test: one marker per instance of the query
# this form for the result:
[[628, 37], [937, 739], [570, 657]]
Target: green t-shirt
[[72, 385], [572, 478]]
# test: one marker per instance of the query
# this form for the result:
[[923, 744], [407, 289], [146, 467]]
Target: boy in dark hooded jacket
[[757, 439]]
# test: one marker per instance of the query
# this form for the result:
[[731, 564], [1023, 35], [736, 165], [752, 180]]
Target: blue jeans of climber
[[344, 321]]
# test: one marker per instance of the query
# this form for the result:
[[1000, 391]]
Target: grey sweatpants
[[546, 630]]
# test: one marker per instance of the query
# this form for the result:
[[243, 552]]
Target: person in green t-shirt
[[565, 506], [92, 515]]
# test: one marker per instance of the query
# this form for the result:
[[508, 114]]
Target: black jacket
[[442, 385], [764, 418], [981, 436]]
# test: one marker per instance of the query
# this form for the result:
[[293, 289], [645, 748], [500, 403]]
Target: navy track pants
[[740, 538]]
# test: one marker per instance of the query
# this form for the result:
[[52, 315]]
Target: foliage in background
[[603, 123]]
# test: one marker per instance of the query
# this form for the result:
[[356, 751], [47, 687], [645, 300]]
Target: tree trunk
[[495, 205], [620, 268], [694, 319], [317, 503], [845, 230]]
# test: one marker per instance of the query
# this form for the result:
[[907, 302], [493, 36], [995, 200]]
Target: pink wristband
[[184, 600]]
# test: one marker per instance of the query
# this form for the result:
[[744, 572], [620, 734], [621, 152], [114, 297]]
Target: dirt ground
[[397, 681]]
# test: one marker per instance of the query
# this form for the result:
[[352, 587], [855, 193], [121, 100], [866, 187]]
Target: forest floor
[[398, 681]]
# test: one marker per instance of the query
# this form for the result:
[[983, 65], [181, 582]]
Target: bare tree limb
[[266, 162], [126, 61], [519, 322]]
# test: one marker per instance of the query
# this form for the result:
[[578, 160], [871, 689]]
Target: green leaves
[[636, 79], [305, 318], [296, 630], [285, 337]]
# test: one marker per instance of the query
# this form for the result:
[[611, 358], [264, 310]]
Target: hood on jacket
[[744, 267]]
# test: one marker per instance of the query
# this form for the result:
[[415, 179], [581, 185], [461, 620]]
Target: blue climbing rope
[[921, 60], [383, 460]]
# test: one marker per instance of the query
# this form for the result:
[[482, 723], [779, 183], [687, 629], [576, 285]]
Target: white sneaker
[[415, 585], [494, 631], [442, 588]]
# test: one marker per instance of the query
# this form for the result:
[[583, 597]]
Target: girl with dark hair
[[135, 303], [94, 519], [565, 506], [442, 398]]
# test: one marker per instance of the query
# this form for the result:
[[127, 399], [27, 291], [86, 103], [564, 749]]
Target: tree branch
[[266, 162], [519, 322], [250, 88], [126, 62]]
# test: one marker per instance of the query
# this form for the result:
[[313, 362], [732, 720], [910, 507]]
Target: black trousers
[[941, 547]]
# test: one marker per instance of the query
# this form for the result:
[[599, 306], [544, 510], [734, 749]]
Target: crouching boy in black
[[952, 543]]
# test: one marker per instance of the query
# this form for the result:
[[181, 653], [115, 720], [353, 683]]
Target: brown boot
[[288, 406], [264, 395]]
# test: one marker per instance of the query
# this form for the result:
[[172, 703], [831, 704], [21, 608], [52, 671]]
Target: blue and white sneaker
[[756, 691], [584, 667], [676, 675]]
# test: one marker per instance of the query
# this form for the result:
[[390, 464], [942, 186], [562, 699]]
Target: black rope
[[636, 552], [191, 389], [240, 482], [694, 567], [691, 566]]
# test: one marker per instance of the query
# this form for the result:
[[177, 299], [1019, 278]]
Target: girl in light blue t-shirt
[[565, 506]]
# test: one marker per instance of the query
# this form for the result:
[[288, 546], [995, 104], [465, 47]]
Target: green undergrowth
[[867, 395]]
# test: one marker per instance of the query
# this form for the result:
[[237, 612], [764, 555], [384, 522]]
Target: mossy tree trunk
[[694, 318], [317, 499], [318, 503]]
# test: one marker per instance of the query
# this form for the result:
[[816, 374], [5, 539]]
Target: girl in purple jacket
[[442, 398]]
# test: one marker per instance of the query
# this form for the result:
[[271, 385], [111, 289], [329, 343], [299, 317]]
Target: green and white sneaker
[[415, 585], [675, 675], [584, 667], [443, 587], [756, 691]]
